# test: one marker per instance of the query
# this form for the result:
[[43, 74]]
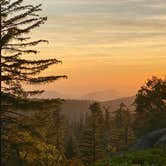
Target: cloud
[[90, 23]]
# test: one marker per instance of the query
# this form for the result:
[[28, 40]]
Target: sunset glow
[[104, 45]]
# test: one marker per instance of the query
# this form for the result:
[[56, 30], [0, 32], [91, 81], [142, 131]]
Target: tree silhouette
[[16, 22], [91, 143], [17, 68], [151, 106], [123, 123]]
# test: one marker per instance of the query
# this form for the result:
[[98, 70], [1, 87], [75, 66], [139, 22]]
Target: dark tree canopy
[[152, 96], [16, 22], [17, 68], [151, 106]]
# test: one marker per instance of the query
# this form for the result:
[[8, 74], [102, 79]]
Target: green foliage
[[72, 146], [44, 139], [150, 106], [122, 134], [50, 125], [24, 144], [57, 129], [99, 134], [149, 157], [91, 145]]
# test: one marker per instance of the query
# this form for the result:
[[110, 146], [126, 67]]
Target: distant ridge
[[49, 95], [74, 109], [102, 95]]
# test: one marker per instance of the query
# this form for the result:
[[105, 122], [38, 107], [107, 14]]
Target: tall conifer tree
[[17, 68], [122, 132], [57, 132], [16, 22], [107, 131], [91, 144]]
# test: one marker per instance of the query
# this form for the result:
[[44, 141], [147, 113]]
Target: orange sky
[[104, 45]]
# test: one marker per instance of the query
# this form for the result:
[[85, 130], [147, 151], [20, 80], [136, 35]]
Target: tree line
[[47, 138]]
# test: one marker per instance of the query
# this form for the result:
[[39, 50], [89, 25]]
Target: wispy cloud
[[121, 39]]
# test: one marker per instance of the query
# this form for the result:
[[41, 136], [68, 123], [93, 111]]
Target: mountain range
[[101, 95]]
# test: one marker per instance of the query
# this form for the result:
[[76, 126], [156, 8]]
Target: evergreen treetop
[[16, 22]]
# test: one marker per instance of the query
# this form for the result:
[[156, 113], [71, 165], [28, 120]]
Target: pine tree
[[57, 131], [122, 132], [107, 131], [91, 143], [16, 22], [50, 124], [86, 145], [72, 147]]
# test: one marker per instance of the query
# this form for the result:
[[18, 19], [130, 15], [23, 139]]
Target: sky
[[105, 45]]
